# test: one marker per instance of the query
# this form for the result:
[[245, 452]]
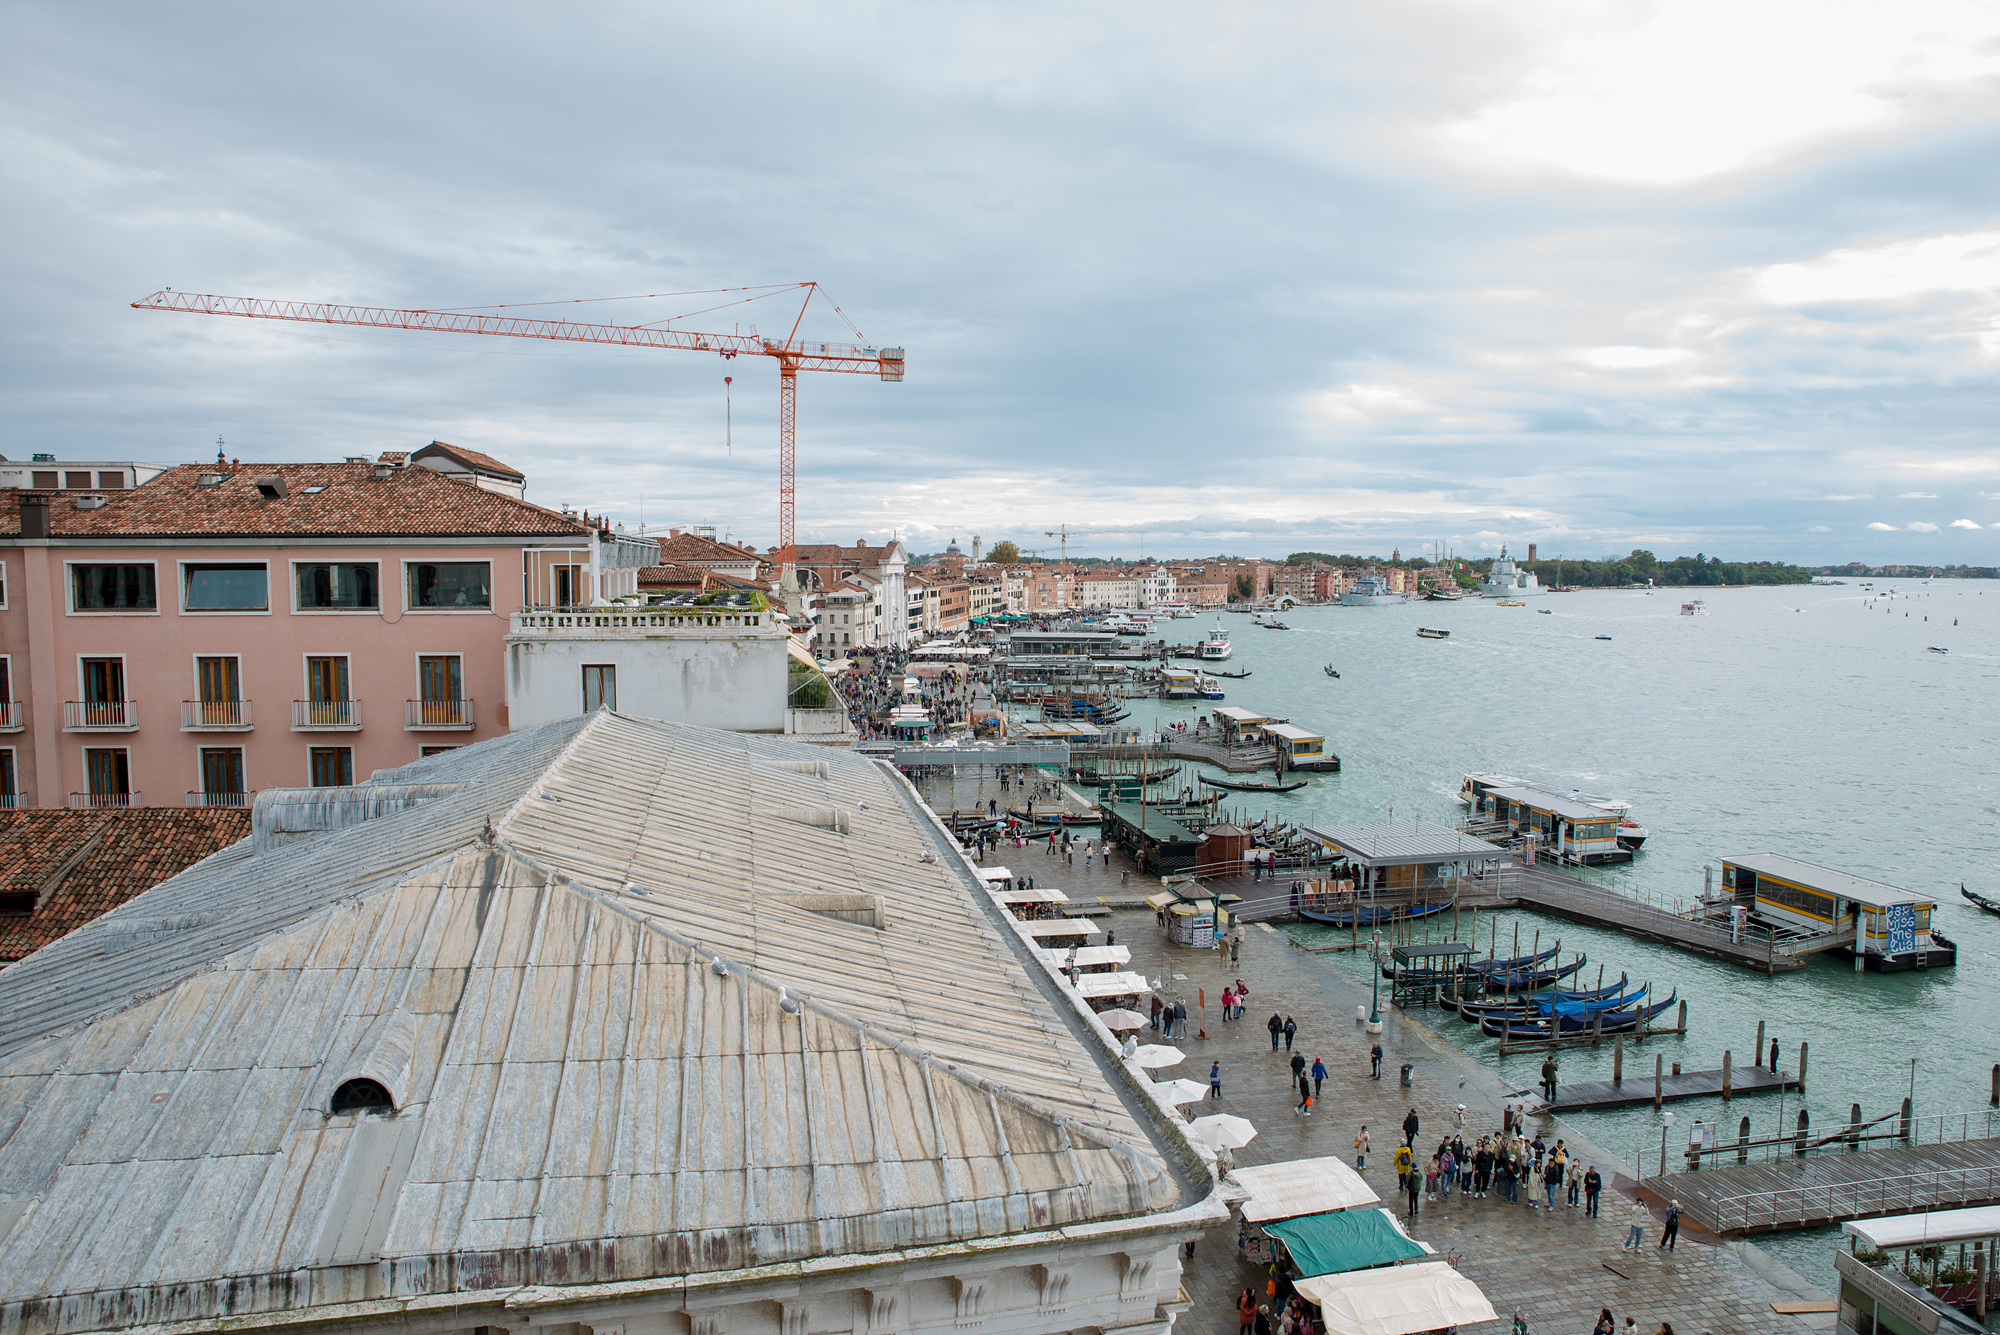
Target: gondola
[[1475, 1011], [1475, 1008], [1157, 776], [1613, 1022], [1527, 980], [1990, 905], [1253, 787], [1054, 818], [1233, 676], [1328, 669], [1373, 915], [1518, 962]]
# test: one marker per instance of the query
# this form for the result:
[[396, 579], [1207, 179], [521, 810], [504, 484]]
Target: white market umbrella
[[1183, 1091], [1154, 1055], [1224, 1131], [1120, 1018]]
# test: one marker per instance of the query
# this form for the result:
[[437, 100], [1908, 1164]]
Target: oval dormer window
[[362, 1096]]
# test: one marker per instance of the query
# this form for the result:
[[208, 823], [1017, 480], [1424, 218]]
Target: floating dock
[[1822, 1189], [1548, 891], [1586, 1094]]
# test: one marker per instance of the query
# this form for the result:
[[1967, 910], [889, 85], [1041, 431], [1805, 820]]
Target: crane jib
[[799, 354]]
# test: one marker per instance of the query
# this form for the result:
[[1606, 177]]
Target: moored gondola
[[1476, 1011], [1563, 1026], [1252, 787], [1372, 916]]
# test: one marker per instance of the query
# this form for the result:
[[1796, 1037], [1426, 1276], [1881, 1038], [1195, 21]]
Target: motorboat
[[1371, 590], [1330, 670], [1215, 648], [1630, 833], [1507, 580], [1427, 633], [1436, 595], [1545, 611], [1694, 608]]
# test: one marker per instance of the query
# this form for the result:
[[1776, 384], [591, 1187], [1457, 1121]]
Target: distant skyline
[[1715, 277]]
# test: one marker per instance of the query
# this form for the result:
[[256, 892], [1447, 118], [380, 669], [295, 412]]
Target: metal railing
[[326, 715], [105, 800], [195, 799], [1890, 1130], [420, 715], [215, 715], [100, 715], [11, 802], [1904, 1193], [13, 716]]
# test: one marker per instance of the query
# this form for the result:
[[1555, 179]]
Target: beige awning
[[1396, 1300], [1300, 1187]]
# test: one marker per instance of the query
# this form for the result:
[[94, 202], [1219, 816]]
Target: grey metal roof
[[1846, 885], [580, 1094], [1542, 800], [1403, 841]]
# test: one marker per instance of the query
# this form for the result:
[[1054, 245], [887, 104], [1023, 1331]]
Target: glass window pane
[[113, 587], [451, 584], [226, 588], [338, 586]]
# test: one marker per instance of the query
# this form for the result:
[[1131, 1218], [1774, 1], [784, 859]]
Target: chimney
[[673, 533], [34, 516], [1531, 552]]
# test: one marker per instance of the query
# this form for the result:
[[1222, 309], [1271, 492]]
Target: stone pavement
[[1556, 1267]]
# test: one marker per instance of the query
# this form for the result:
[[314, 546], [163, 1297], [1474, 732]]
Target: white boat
[[1371, 591], [1696, 608], [1507, 580], [1215, 648], [1630, 833]]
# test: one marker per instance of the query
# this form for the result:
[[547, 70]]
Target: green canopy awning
[[1331, 1244]]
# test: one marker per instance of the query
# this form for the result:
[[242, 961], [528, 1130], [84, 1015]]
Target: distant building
[[611, 1025], [44, 473], [826, 564], [481, 470]]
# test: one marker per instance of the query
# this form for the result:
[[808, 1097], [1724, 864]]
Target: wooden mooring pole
[[1754, 1051], [1802, 1066], [1618, 1060], [1659, 1082], [1725, 1075]]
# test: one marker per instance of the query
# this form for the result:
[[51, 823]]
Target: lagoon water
[[1811, 721]]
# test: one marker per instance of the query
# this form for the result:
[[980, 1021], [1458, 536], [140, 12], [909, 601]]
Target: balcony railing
[[13, 716], [326, 716], [215, 716], [12, 802], [105, 800], [100, 715], [437, 715], [220, 799]]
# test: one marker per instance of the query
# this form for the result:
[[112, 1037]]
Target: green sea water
[[1810, 721]]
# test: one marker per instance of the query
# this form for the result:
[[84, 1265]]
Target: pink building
[[224, 628]]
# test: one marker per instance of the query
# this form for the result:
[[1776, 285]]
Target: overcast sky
[[1251, 278]]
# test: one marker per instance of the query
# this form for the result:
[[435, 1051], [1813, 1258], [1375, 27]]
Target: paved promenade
[[1556, 1268]]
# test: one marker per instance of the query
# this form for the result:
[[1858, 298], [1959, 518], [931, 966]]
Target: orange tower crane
[[792, 353]]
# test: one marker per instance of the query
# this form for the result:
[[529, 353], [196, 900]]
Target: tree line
[[1637, 568]]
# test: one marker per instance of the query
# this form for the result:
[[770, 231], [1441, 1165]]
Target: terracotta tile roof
[[350, 501], [81, 864], [689, 548], [672, 575], [833, 554], [473, 459]]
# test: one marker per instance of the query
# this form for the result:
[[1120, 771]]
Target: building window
[[222, 775], [332, 766], [425, 752], [3, 584], [326, 680], [600, 687], [47, 480], [107, 776], [451, 584], [564, 583], [79, 480], [112, 481], [113, 588], [218, 692], [10, 796], [104, 681], [334, 588], [225, 588], [362, 1096]]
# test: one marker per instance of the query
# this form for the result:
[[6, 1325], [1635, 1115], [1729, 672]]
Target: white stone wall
[[722, 681]]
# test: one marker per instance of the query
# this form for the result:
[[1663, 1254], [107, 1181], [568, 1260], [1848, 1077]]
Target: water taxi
[[1630, 834], [1882, 928], [1427, 633], [1562, 829], [1508, 602], [1694, 608], [1180, 684], [1371, 590], [1215, 648], [1507, 580], [1299, 749]]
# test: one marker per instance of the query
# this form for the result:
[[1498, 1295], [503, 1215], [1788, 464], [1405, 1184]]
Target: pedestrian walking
[[1549, 1078], [1277, 1028], [1410, 1128], [1235, 949], [1361, 1148], [1305, 1107], [1410, 1188], [1592, 1184], [1246, 1313], [1404, 1161], [1482, 1169], [1298, 1064], [1319, 1075], [1157, 1008], [1375, 1057], [1180, 1018], [1228, 1002], [1215, 1080], [1672, 1233], [1552, 1180], [1262, 1326], [1573, 1176], [1633, 1237], [1291, 1028]]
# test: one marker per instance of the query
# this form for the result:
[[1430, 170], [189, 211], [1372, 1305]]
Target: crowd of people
[[872, 694]]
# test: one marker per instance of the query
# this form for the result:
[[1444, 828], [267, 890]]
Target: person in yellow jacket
[[1405, 1165]]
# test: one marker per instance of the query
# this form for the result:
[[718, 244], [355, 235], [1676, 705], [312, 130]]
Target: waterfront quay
[[1555, 1268]]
